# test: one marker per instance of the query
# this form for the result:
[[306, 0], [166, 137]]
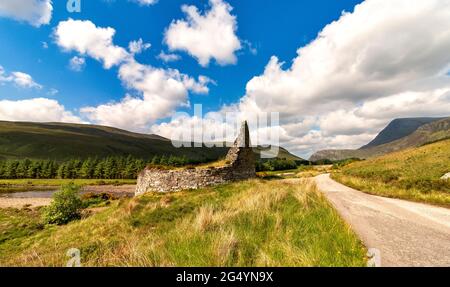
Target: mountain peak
[[398, 129]]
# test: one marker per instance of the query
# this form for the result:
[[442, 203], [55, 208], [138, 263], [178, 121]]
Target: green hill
[[430, 132], [60, 141], [413, 174], [398, 129]]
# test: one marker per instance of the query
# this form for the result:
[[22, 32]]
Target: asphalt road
[[403, 233]]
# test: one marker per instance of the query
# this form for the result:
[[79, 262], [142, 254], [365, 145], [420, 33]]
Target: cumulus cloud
[[384, 60], [35, 12], [168, 57], [20, 79], [88, 39], [137, 47], [359, 57], [77, 63], [154, 92], [24, 80], [161, 92], [211, 35], [36, 110]]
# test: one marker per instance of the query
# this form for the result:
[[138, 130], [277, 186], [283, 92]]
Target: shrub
[[65, 207], [276, 165], [96, 199]]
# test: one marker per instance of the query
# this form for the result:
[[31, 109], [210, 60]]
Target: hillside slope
[[398, 129], [59, 141], [433, 131], [413, 174]]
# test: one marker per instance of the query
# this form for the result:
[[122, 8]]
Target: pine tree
[[87, 169], [22, 168], [163, 160], [98, 171], [156, 160], [10, 169]]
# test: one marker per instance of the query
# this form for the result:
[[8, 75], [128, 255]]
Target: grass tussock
[[252, 223], [413, 174]]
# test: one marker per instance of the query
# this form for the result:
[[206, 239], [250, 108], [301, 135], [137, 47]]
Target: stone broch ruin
[[240, 165]]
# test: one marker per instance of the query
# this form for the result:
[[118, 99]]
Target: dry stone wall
[[240, 166]]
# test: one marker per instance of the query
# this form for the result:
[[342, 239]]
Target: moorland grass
[[252, 223], [413, 174]]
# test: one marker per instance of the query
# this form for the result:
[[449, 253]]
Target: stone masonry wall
[[241, 166]]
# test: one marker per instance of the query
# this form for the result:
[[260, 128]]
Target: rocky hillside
[[427, 133]]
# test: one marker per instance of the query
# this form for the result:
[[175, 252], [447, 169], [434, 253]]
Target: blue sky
[[22, 48], [337, 75]]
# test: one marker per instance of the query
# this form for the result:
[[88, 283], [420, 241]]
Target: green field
[[252, 223], [413, 174]]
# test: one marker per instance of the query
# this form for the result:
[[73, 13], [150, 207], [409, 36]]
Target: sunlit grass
[[252, 223], [413, 174]]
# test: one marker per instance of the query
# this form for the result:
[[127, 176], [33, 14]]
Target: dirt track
[[405, 233]]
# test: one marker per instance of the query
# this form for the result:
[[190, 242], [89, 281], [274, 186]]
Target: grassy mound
[[412, 174], [252, 223]]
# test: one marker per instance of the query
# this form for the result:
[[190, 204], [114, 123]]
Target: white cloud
[[168, 57], [160, 93], [156, 92], [386, 59], [77, 63], [24, 80], [382, 48], [146, 2], [87, 39], [137, 47], [207, 36], [20, 79], [36, 110], [35, 12]]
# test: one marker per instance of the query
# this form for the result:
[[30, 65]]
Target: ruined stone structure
[[240, 165]]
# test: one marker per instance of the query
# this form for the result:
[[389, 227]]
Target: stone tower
[[241, 155], [240, 166]]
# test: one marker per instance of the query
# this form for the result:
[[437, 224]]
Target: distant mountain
[[398, 129], [60, 141], [427, 133]]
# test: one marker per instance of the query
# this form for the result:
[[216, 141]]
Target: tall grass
[[252, 223], [413, 174]]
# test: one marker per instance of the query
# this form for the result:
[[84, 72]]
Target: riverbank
[[42, 197], [23, 202]]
